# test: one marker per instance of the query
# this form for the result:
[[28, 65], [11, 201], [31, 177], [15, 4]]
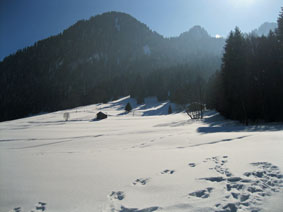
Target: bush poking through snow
[[66, 116], [128, 107]]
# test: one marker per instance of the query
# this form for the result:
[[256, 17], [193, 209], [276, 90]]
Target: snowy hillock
[[141, 161]]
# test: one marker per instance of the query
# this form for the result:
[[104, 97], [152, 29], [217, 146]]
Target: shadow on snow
[[217, 124]]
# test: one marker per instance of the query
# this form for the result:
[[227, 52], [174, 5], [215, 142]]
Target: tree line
[[249, 86]]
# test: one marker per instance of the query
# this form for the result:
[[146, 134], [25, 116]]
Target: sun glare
[[218, 36]]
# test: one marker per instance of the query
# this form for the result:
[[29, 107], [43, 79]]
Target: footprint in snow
[[117, 195], [219, 167], [17, 209], [40, 206], [246, 192], [215, 158], [202, 193], [192, 164], [167, 171], [124, 209], [141, 181]]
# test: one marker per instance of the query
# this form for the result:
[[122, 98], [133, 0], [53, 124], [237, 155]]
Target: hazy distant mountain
[[195, 33], [198, 42], [89, 61], [264, 29]]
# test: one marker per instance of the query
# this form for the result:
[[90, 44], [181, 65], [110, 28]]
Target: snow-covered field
[[139, 162]]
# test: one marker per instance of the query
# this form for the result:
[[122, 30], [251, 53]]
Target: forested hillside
[[100, 59]]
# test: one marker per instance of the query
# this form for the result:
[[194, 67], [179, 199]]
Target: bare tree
[[195, 110]]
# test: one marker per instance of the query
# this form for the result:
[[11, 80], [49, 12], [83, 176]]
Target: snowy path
[[138, 163]]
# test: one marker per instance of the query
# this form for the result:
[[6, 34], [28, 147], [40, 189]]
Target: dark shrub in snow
[[128, 107]]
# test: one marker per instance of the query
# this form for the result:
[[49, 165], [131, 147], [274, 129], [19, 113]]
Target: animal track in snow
[[141, 181], [245, 192], [121, 208], [40, 206], [151, 209], [235, 193], [17, 209], [167, 171], [117, 195], [192, 164], [219, 167], [213, 179], [202, 193]]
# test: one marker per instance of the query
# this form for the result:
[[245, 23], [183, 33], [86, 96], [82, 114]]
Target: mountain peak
[[196, 33], [114, 14], [265, 28]]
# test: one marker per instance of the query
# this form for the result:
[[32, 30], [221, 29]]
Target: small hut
[[100, 116]]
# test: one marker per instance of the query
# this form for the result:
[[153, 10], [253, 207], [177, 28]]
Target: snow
[[146, 50], [144, 160]]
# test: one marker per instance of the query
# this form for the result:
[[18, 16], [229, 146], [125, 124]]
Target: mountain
[[264, 29], [198, 43], [97, 60]]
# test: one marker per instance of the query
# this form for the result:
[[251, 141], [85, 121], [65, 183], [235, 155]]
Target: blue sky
[[23, 22]]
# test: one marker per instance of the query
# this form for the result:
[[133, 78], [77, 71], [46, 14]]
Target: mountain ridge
[[264, 29], [107, 56], [86, 63], [109, 15]]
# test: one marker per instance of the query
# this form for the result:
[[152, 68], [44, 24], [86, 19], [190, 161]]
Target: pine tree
[[234, 77], [250, 83], [128, 107]]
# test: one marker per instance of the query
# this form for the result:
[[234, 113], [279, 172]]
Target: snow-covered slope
[[139, 162]]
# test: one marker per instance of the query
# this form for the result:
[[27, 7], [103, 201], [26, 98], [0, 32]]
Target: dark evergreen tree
[[128, 107], [235, 76], [250, 87]]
